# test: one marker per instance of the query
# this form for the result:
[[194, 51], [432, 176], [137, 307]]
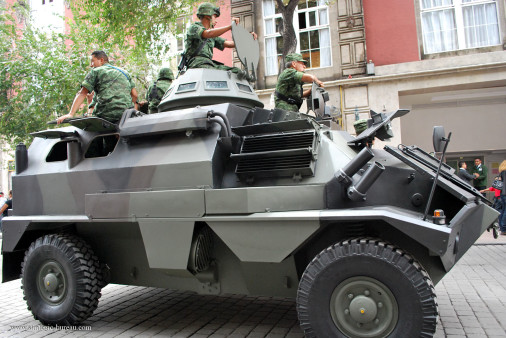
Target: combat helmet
[[166, 73], [360, 126], [207, 8], [294, 57]]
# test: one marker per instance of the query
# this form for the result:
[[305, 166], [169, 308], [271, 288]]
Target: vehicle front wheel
[[366, 288], [61, 279]]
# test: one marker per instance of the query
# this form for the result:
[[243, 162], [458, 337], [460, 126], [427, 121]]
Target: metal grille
[[276, 163], [278, 142], [277, 155], [201, 252]]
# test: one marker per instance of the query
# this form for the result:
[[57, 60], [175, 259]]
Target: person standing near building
[[480, 180], [4, 208], [463, 174], [113, 86], [502, 216], [289, 92], [202, 37]]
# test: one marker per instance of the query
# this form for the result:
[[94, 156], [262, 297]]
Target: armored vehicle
[[217, 195]]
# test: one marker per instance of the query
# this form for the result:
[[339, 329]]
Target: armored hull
[[234, 198]]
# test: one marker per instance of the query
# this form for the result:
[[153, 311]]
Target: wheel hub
[[364, 307], [52, 283]]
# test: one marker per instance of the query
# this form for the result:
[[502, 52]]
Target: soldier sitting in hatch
[[114, 90], [289, 92], [157, 89], [202, 37]]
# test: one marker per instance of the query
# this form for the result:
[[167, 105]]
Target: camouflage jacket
[[289, 85], [112, 88], [161, 87], [193, 42]]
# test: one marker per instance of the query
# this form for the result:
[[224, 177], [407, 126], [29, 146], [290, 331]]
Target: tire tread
[[377, 248], [85, 266]]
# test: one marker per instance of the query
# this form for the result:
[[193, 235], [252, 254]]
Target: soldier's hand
[[63, 118], [255, 36], [236, 20]]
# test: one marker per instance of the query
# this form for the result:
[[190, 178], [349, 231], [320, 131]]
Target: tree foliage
[[38, 78], [41, 71], [146, 23]]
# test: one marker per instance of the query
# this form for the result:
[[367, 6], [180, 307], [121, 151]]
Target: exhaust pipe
[[358, 191], [347, 172]]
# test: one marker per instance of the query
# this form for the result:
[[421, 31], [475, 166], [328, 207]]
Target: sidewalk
[[471, 298]]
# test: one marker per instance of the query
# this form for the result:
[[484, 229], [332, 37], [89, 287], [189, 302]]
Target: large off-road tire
[[366, 288], [61, 279]]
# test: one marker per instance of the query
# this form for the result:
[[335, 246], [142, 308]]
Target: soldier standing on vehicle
[[157, 89], [202, 37], [113, 86], [289, 92]]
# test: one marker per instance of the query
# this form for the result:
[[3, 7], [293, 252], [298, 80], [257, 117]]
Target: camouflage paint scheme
[[170, 174], [216, 194]]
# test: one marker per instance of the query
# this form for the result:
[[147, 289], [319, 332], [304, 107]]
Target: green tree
[[41, 71], [38, 77], [145, 23]]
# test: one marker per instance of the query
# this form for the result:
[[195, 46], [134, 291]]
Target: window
[[311, 22], [182, 25], [58, 152], [102, 146], [244, 88], [216, 85], [459, 24], [48, 15], [186, 87]]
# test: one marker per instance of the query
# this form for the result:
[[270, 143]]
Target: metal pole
[[447, 140]]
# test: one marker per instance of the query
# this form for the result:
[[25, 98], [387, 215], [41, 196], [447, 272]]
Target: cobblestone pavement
[[472, 303]]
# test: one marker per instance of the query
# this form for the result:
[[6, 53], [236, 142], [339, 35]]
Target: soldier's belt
[[289, 100]]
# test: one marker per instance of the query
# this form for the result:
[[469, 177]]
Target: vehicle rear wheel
[[366, 288], [61, 280]]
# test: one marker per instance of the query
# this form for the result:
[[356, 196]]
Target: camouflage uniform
[[204, 59], [93, 102], [289, 85], [163, 83], [112, 88]]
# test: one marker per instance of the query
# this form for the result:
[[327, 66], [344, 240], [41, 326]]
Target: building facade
[[444, 60]]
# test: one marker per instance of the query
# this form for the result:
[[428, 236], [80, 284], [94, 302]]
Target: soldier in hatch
[[289, 92], [202, 37], [157, 89], [114, 90]]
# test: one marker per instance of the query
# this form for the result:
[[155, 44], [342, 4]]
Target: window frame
[[457, 7], [277, 35]]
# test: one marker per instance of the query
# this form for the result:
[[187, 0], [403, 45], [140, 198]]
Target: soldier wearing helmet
[[157, 89], [289, 92], [202, 37]]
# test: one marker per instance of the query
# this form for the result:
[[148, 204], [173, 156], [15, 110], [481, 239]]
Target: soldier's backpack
[[153, 94]]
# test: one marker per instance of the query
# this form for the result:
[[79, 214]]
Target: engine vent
[[201, 251], [277, 155], [277, 142]]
